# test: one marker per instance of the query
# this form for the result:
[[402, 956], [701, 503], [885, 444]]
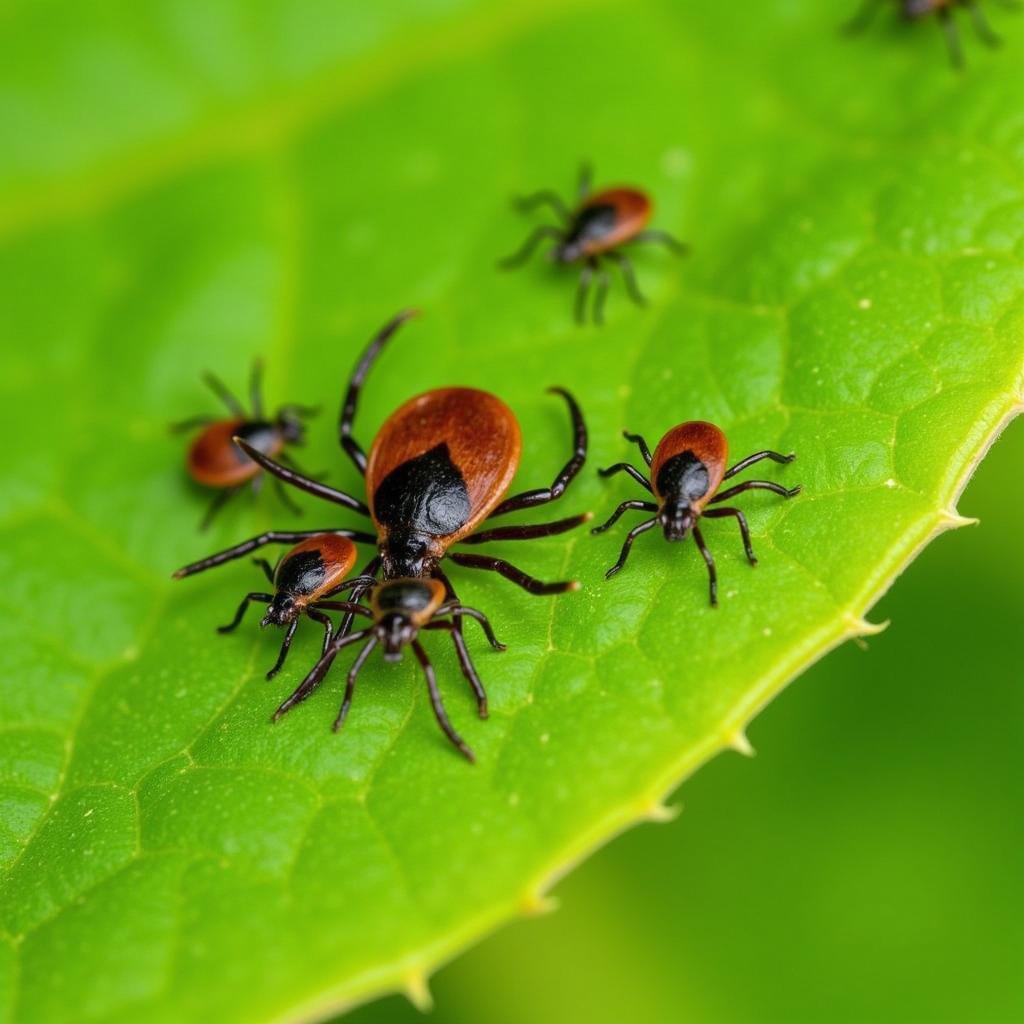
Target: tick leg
[[981, 26], [370, 571], [217, 386], [286, 645], [317, 673], [510, 572], [182, 426], [266, 567], [521, 255], [529, 532], [461, 650], [256, 389], [585, 181], [757, 457], [863, 17], [602, 293], [755, 485], [529, 499], [350, 682], [219, 501], [286, 498], [270, 537], [656, 235], [626, 506], [956, 56], [698, 539], [348, 409], [325, 621], [345, 606], [546, 197], [586, 274], [303, 483], [641, 443], [646, 525], [454, 608], [438, 705], [233, 624], [625, 467], [741, 519], [625, 265]]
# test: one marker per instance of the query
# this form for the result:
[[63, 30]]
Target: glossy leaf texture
[[188, 186]]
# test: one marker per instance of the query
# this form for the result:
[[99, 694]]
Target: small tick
[[214, 460], [916, 10], [686, 470], [593, 232], [399, 609]]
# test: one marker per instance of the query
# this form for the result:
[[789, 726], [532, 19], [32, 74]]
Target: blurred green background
[[864, 866]]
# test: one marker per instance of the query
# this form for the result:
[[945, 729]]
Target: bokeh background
[[864, 866]]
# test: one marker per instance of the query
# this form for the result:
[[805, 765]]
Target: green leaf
[[185, 186]]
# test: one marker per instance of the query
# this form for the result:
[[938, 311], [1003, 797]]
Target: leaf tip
[[950, 519], [416, 989], [739, 742]]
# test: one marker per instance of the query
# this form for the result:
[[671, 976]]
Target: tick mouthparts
[[265, 621]]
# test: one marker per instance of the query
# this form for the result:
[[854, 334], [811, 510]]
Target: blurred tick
[[916, 10], [214, 460], [686, 470], [593, 232], [399, 609]]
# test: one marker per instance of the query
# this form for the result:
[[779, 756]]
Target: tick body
[[591, 235], [215, 461], [943, 12], [440, 466], [685, 474], [309, 573], [399, 609]]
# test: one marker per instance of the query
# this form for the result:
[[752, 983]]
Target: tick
[[305, 577], [398, 610], [685, 472], [214, 460], [916, 10], [438, 468], [593, 233]]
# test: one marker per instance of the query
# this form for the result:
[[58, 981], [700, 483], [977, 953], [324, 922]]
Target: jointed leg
[[219, 501], [948, 25], [455, 608], [602, 293], [438, 705], [369, 572], [545, 197], [216, 385], [461, 650], [755, 485], [355, 384], [641, 443], [345, 606], [741, 519], [325, 621], [655, 235], [625, 467], [510, 572], [580, 309], [270, 537], [240, 613], [256, 389], [646, 525], [757, 457], [521, 255], [303, 483], [268, 570], [529, 499], [286, 644], [350, 682], [698, 539], [981, 26], [626, 506], [585, 181], [529, 532], [317, 673], [286, 498], [625, 265]]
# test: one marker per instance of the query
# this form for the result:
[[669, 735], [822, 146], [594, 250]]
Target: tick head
[[282, 610], [394, 632], [676, 521], [293, 430], [568, 251], [406, 555]]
